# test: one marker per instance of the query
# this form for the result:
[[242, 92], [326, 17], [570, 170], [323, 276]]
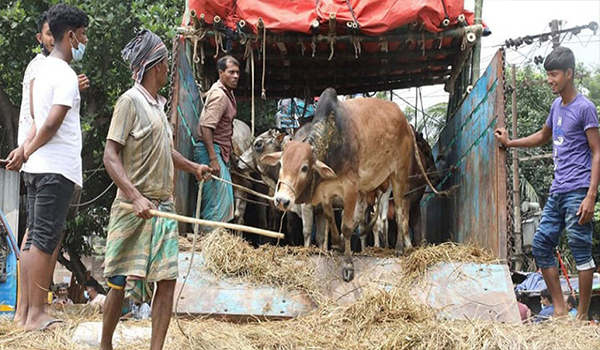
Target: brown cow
[[353, 147]]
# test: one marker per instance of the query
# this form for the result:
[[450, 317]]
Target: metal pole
[[416, 107], [516, 182], [554, 32], [477, 47]]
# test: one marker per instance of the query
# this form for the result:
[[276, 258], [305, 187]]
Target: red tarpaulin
[[374, 17]]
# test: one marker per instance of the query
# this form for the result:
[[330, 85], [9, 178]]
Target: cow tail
[[420, 162]]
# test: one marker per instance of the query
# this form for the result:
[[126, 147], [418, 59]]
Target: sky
[[517, 18]]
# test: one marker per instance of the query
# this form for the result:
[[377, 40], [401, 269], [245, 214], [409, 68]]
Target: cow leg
[[335, 233], [350, 199], [415, 224], [381, 231], [322, 231], [360, 218], [307, 222], [240, 207], [402, 204]]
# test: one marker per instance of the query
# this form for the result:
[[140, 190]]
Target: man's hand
[[16, 158], [142, 206], [502, 136], [84, 82], [586, 210], [202, 172], [216, 168]]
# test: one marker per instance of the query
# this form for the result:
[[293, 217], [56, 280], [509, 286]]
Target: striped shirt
[[140, 125]]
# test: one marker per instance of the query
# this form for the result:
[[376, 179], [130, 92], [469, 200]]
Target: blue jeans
[[560, 213]]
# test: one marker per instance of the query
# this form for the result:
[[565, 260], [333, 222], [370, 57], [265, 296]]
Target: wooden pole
[[516, 181], [189, 220], [477, 48]]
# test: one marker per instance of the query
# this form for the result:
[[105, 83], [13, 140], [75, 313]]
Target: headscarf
[[144, 52]]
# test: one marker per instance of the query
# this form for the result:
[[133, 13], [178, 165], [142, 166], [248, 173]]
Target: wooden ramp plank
[[457, 291]]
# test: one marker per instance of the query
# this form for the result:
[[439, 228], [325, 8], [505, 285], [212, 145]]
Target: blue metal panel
[[185, 113], [455, 290], [476, 210], [8, 288], [466, 291], [206, 294]]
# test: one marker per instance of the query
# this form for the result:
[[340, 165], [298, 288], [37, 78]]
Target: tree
[[112, 24]]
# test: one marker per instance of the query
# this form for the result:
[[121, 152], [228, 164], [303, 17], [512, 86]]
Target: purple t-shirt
[[571, 151]]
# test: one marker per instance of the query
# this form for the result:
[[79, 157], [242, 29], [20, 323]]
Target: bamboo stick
[[190, 220]]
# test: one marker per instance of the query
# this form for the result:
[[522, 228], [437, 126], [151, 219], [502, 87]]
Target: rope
[[475, 143], [237, 173], [95, 199], [257, 194], [352, 12], [263, 93], [252, 201], [445, 10], [196, 231], [252, 111]]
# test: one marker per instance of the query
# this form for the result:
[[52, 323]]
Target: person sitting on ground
[[547, 307], [524, 310], [93, 295], [138, 311], [62, 295], [572, 306]]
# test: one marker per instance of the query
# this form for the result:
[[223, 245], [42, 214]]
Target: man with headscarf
[[139, 156], [214, 144]]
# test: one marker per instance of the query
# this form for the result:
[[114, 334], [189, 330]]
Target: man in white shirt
[[44, 37], [94, 297], [52, 151], [16, 157]]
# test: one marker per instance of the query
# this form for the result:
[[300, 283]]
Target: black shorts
[[48, 199]]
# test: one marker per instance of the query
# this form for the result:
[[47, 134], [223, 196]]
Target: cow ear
[[326, 172], [271, 159]]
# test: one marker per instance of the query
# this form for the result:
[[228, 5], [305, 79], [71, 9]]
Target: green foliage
[[17, 44], [534, 99], [112, 24]]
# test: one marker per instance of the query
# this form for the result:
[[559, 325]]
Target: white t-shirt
[[56, 83], [98, 300], [25, 119]]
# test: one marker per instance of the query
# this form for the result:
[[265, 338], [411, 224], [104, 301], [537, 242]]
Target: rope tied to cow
[[245, 189]]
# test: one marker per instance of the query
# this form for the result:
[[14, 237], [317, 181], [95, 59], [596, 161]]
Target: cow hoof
[[348, 274], [337, 248], [399, 253]]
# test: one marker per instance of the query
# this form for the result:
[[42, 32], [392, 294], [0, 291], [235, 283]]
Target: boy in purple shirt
[[573, 127]]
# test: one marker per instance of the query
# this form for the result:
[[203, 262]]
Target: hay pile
[[415, 265], [380, 320]]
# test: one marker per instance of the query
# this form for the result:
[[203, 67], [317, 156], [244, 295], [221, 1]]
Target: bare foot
[[45, 322], [19, 320], [582, 317]]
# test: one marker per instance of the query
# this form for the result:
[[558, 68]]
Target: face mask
[[78, 53], [85, 294]]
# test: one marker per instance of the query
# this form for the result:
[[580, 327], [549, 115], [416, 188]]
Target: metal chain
[[174, 59], [510, 219]]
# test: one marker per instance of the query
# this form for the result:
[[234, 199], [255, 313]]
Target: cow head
[[299, 167], [268, 142], [426, 157]]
